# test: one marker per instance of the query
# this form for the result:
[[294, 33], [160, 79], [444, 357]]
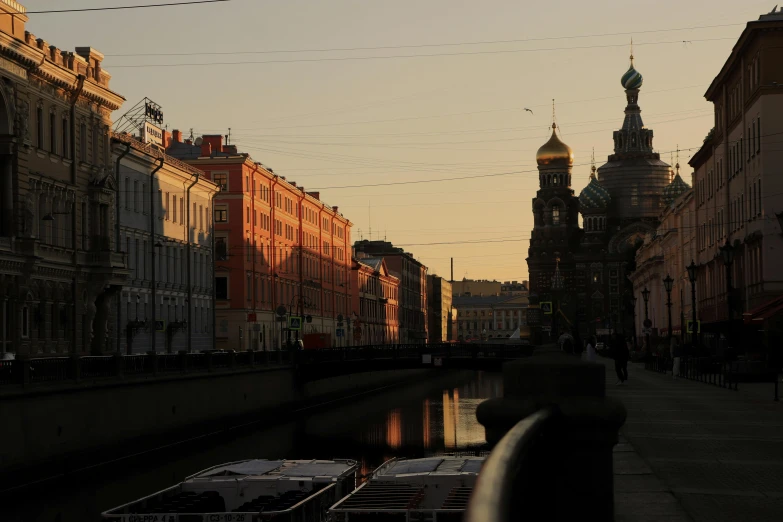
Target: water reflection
[[414, 421]]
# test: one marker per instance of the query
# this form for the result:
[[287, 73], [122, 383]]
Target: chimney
[[166, 139], [215, 141], [293, 184], [93, 58], [316, 195], [334, 209], [230, 149], [206, 149], [189, 142], [176, 135]]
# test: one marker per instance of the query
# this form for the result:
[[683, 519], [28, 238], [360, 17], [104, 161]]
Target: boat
[[248, 491], [434, 489]]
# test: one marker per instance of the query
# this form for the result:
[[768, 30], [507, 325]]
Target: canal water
[[425, 418]]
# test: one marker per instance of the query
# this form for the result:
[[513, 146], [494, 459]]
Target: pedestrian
[[620, 353], [674, 352], [591, 355]]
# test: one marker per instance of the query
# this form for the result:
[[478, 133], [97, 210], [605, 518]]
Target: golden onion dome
[[555, 151]]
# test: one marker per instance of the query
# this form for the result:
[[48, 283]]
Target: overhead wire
[[122, 7]]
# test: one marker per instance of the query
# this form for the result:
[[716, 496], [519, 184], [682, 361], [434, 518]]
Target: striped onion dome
[[675, 189], [632, 79], [594, 196]]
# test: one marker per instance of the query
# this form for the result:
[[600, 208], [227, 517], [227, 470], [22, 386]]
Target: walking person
[[620, 353], [591, 355], [674, 352]]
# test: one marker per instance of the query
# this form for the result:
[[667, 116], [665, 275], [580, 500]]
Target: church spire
[[592, 165]]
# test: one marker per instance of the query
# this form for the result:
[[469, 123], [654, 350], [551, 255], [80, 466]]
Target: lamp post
[[646, 297], [692, 276], [727, 253], [667, 283]]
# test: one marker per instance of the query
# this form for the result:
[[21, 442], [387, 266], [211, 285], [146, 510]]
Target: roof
[[486, 300], [153, 151]]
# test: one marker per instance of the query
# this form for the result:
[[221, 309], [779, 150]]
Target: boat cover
[[249, 467]]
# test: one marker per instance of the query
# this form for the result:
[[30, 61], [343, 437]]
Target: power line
[[402, 56], [420, 46], [122, 7]]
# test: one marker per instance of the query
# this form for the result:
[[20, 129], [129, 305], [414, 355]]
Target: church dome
[[675, 189], [594, 196], [555, 151], [632, 79]]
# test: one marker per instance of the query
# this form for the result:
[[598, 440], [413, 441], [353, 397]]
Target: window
[[221, 288], [25, 322], [247, 214], [83, 142], [221, 214], [52, 132], [181, 211], [174, 208], [144, 198], [221, 249], [555, 215], [758, 133], [40, 134], [135, 196], [66, 146], [221, 180], [127, 193], [201, 217]]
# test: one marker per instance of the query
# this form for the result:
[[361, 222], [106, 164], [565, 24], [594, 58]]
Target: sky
[[371, 101]]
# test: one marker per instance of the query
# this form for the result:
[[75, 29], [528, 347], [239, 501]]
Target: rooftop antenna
[[191, 134]]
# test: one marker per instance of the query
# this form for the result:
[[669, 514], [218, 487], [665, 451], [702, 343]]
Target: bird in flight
[[528, 110]]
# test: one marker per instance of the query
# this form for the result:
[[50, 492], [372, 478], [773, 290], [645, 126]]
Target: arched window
[[554, 179], [589, 224], [548, 179], [555, 215]]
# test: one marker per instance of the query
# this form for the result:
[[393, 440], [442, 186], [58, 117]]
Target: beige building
[[167, 302], [60, 266], [667, 253], [480, 318], [474, 287], [738, 187], [439, 313]]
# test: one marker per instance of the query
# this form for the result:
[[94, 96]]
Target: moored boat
[[248, 491], [433, 489]]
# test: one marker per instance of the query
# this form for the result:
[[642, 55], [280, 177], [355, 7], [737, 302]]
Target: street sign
[[280, 310], [689, 323], [160, 326], [340, 332], [251, 317], [647, 323], [546, 307], [646, 331], [294, 322]]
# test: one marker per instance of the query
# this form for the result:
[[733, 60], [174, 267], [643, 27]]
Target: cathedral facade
[[583, 269]]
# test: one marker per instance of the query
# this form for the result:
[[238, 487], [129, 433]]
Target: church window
[[554, 179], [555, 215]]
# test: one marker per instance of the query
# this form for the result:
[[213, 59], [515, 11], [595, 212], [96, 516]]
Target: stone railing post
[[153, 362], [75, 362], [574, 458], [119, 365], [232, 359], [209, 361], [251, 358]]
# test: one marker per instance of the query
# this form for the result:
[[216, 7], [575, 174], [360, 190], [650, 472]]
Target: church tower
[[556, 231], [634, 175]]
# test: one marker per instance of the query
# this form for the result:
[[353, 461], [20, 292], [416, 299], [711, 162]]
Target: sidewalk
[[689, 447]]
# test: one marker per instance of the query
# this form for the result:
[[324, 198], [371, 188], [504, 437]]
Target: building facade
[[667, 253], [481, 318], [439, 313], [484, 287], [165, 228], [60, 266], [413, 287], [375, 317], [737, 183], [583, 269], [276, 245]]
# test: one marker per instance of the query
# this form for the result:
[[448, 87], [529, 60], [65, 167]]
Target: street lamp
[[646, 297], [692, 276], [667, 283], [727, 253]]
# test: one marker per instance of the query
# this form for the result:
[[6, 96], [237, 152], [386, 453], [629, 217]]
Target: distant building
[[413, 287], [179, 247], [276, 245], [486, 287], [439, 303], [480, 318], [375, 293]]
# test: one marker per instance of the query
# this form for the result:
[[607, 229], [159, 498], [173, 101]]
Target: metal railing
[[508, 471], [62, 369]]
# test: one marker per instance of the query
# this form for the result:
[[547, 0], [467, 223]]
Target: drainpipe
[[214, 258], [117, 234], [153, 284], [190, 280], [253, 288], [74, 99], [273, 258]]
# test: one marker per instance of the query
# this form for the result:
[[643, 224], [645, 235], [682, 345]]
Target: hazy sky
[[330, 122]]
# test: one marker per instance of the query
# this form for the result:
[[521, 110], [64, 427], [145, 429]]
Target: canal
[[424, 418]]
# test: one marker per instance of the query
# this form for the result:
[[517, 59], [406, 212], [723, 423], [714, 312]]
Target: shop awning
[[761, 313]]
